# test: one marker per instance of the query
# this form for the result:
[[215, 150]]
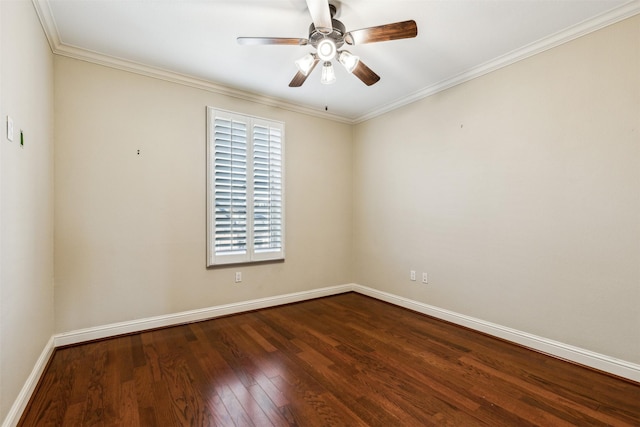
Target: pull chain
[[326, 103]]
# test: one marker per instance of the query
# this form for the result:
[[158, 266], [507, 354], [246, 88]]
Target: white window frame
[[251, 252]]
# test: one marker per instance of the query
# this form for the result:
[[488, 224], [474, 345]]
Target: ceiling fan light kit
[[328, 73], [327, 35], [306, 63], [326, 49], [349, 61]]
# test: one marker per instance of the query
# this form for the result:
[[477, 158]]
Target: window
[[245, 188]]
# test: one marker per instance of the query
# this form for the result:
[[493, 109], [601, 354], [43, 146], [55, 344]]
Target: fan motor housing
[[337, 34]]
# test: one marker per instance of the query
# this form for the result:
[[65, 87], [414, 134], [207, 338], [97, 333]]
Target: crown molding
[[43, 10], [190, 81], [608, 18], [48, 23], [58, 47]]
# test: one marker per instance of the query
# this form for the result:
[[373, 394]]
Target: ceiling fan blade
[[320, 15], [365, 74], [381, 33], [300, 78], [271, 40]]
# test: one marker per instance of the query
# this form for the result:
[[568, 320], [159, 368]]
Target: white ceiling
[[194, 41]]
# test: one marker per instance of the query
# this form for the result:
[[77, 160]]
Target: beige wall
[[130, 229], [26, 197], [518, 192]]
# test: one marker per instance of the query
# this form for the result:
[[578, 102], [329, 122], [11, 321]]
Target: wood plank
[[340, 360]]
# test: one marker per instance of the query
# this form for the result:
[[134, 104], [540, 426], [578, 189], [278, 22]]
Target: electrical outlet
[[412, 275], [425, 278], [238, 276]]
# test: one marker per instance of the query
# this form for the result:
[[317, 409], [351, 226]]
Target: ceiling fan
[[328, 35]]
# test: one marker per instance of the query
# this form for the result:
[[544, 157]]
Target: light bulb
[[328, 74], [326, 49], [349, 61], [305, 64]]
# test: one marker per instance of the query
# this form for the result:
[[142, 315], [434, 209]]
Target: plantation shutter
[[267, 188], [230, 191], [245, 187]]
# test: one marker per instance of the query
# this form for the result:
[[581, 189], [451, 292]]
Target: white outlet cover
[[9, 128]]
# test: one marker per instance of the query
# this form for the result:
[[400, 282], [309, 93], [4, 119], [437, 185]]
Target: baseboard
[[588, 358], [574, 354], [571, 353], [611, 365], [121, 328], [29, 387]]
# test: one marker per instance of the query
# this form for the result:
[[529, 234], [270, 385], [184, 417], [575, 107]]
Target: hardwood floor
[[345, 360]]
